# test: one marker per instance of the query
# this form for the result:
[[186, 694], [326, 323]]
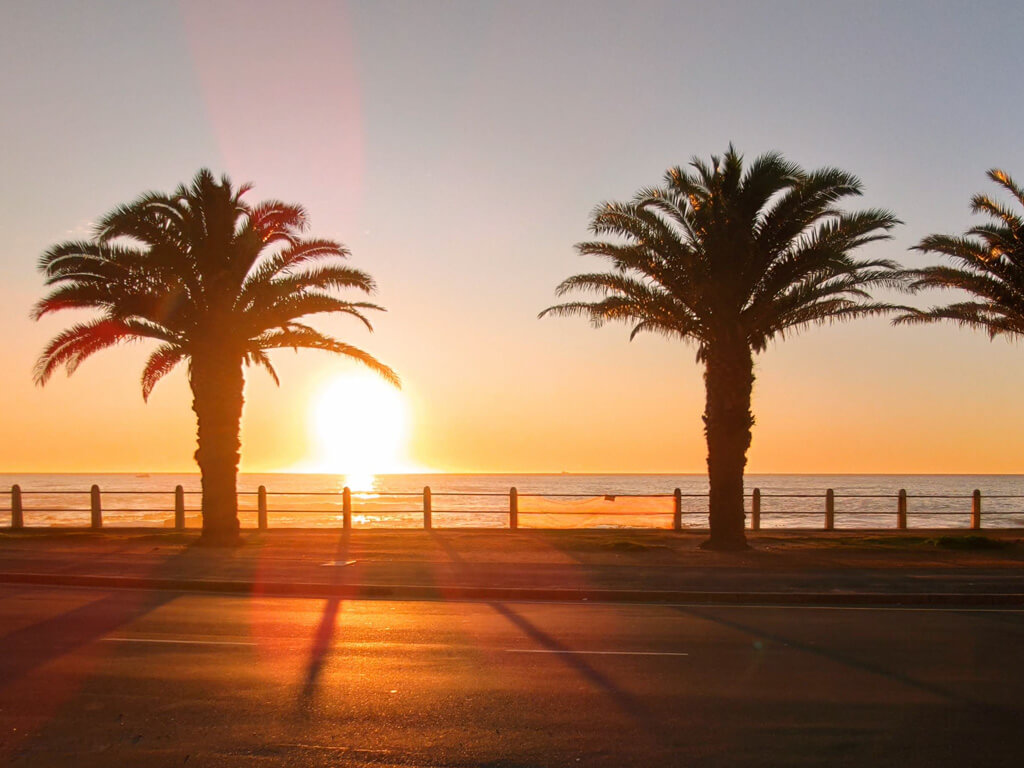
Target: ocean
[[544, 500]]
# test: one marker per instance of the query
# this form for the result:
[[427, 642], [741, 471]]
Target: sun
[[361, 428]]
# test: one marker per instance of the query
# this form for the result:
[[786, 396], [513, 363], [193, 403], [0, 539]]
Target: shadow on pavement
[[56, 636], [839, 658], [645, 719], [323, 638], [30, 649]]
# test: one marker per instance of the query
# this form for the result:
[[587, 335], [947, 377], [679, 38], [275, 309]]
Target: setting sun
[[361, 428]]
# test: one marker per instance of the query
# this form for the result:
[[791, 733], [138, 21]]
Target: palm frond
[[826, 312], [299, 254], [298, 336], [71, 347], [995, 209], [256, 356], [323, 278], [987, 264], [1003, 179], [979, 316], [298, 305], [275, 221], [160, 363]]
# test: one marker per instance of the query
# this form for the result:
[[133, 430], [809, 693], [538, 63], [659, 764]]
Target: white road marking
[[764, 606], [875, 608], [168, 641], [596, 653]]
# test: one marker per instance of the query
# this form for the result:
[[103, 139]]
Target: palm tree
[[988, 264], [730, 258], [216, 281]]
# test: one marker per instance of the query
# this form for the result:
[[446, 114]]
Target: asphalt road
[[108, 678]]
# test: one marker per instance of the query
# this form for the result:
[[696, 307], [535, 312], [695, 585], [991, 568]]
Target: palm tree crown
[[729, 258], [988, 264], [195, 266], [723, 251]]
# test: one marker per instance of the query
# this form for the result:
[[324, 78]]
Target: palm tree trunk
[[729, 379], [216, 379]]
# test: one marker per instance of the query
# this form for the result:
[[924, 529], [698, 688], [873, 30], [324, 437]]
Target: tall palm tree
[[729, 258], [987, 264], [215, 281]]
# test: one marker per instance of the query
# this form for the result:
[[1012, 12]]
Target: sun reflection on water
[[362, 484]]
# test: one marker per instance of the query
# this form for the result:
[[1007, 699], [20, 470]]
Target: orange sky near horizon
[[458, 149], [639, 414]]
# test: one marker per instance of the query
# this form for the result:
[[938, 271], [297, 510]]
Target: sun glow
[[361, 427]]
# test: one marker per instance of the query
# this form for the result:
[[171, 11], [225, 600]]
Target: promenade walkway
[[626, 566]]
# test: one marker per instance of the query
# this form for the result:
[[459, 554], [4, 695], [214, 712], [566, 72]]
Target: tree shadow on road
[[26, 653], [647, 720], [33, 646], [323, 637], [837, 657]]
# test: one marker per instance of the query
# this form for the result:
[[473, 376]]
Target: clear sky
[[457, 148]]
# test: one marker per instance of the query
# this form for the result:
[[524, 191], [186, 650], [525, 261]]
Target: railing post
[[17, 511], [513, 509], [976, 510], [755, 510], [346, 508], [830, 510], [95, 507], [677, 510], [261, 507], [427, 510], [179, 508], [901, 510]]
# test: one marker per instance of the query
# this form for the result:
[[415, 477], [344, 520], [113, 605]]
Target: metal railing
[[511, 510]]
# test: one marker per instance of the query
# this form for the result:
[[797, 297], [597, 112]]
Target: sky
[[458, 148]]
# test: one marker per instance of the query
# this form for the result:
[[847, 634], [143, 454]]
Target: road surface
[[123, 677]]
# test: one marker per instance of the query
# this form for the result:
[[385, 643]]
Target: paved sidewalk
[[925, 567]]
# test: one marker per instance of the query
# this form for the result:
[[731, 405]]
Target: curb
[[472, 593]]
